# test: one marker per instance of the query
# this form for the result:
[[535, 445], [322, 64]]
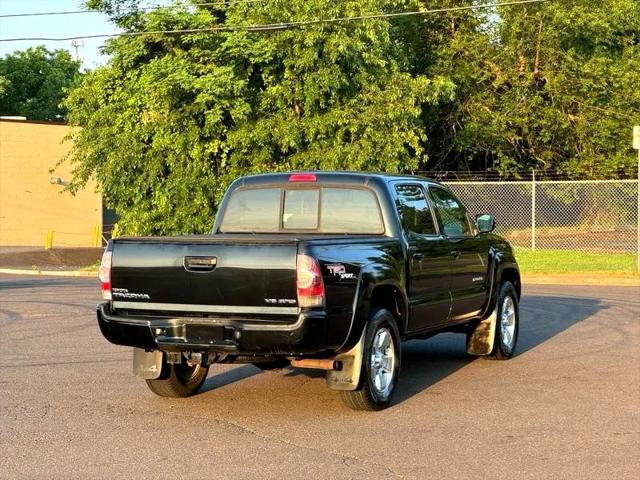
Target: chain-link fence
[[587, 215]]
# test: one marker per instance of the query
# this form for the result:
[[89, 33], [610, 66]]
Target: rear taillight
[[105, 274], [309, 282]]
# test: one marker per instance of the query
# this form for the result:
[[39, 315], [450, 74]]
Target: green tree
[[552, 86], [34, 82], [172, 119], [4, 84]]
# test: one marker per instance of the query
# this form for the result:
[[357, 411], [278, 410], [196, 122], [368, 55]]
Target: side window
[[414, 210], [451, 213]]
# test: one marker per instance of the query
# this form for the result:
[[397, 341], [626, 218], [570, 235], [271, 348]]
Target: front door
[[469, 256], [428, 260]]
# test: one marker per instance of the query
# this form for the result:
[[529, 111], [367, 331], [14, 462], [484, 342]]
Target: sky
[[56, 26]]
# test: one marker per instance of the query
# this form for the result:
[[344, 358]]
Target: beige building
[[34, 208]]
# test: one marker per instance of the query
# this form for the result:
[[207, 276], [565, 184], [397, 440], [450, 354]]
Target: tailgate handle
[[200, 264]]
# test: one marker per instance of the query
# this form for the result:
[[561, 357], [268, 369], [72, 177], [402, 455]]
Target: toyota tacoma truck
[[325, 270]]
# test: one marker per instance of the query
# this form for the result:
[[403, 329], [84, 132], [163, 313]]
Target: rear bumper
[[306, 336]]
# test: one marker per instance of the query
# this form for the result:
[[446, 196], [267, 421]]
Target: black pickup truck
[[327, 270]]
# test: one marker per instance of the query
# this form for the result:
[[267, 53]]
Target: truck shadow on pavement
[[426, 362], [233, 375]]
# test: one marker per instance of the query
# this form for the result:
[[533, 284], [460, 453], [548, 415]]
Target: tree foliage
[[552, 86], [172, 119], [34, 82]]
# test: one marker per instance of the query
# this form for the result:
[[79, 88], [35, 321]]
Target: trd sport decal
[[338, 270]]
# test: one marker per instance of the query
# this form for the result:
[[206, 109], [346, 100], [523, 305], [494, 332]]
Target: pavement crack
[[344, 458]]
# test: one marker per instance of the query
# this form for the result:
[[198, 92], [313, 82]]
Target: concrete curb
[[580, 280], [54, 273]]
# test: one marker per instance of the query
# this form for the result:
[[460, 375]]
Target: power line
[[279, 26], [132, 9]]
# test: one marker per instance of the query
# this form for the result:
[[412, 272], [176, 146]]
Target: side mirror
[[485, 223]]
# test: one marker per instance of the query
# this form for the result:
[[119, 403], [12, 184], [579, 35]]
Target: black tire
[[504, 345], [368, 396], [273, 364], [178, 380]]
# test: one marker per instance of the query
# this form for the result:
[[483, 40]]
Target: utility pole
[[76, 45], [636, 145]]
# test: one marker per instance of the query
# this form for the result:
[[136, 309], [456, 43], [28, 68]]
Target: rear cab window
[[316, 209], [253, 210]]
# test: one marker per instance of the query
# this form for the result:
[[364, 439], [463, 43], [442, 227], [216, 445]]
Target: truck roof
[[324, 176]]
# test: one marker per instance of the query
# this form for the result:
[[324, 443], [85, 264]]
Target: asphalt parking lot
[[568, 406]]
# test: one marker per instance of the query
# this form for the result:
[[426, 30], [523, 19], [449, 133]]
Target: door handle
[[455, 253], [200, 264]]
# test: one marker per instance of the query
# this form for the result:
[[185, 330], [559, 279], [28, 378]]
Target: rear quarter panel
[[351, 269]]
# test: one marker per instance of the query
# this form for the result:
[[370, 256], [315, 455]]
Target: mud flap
[[348, 377], [480, 340], [147, 365]]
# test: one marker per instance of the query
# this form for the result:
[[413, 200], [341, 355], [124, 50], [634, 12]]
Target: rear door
[[428, 259], [468, 253]]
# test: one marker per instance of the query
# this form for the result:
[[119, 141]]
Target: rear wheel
[[179, 379], [380, 365]]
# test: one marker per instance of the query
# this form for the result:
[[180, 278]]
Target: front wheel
[[179, 379], [507, 322], [380, 365]]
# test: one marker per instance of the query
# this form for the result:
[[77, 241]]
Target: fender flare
[[367, 283], [350, 353], [499, 262], [481, 338]]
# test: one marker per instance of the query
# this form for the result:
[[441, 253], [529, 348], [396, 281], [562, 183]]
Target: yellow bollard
[[96, 236], [48, 241]]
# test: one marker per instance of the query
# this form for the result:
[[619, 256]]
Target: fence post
[[638, 210], [638, 207], [533, 209], [636, 145]]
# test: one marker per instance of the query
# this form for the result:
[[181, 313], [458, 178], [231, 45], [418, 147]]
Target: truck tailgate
[[205, 275]]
